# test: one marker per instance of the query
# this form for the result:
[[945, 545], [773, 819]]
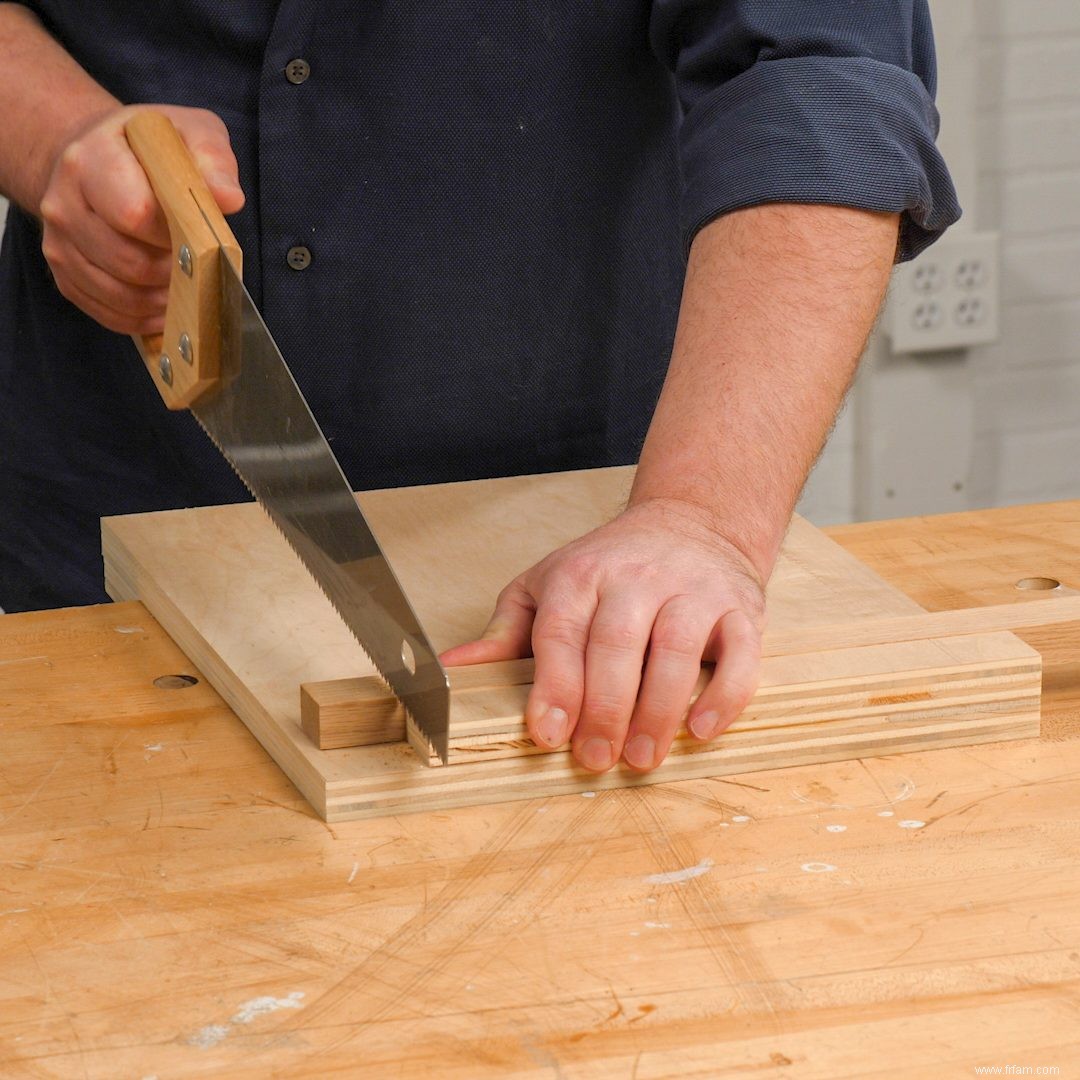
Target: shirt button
[[297, 71], [299, 258]]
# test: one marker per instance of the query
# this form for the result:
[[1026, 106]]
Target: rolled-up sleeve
[[807, 101]]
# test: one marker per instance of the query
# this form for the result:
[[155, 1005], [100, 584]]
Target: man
[[466, 227]]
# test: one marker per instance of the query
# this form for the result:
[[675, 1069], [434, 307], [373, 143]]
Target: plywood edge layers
[[489, 699], [728, 758]]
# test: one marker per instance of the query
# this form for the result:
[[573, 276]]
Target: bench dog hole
[[1038, 584], [175, 682]]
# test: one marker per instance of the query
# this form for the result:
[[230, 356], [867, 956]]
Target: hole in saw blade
[[407, 658]]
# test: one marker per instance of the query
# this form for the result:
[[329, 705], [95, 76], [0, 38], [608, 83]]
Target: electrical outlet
[[947, 298]]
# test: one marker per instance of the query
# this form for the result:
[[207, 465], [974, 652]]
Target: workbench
[[171, 906]]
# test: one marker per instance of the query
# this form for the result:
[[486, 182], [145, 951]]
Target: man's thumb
[[507, 636]]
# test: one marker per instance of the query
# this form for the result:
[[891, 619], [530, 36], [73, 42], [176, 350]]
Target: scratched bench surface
[[171, 906]]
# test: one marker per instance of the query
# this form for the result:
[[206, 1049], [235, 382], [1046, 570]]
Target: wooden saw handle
[[184, 361]]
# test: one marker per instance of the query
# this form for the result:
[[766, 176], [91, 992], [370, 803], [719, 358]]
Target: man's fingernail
[[595, 754], [640, 752], [552, 727], [704, 725]]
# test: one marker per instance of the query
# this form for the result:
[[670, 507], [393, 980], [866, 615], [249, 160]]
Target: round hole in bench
[[175, 682], [1038, 584]]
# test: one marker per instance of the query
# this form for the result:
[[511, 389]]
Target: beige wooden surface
[[170, 906], [230, 592], [487, 701]]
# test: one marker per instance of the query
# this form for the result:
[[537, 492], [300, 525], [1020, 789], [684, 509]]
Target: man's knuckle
[[563, 688], [676, 640], [135, 214], [53, 251], [205, 146], [736, 692], [604, 709], [654, 715], [618, 637], [561, 629], [129, 265], [71, 159], [211, 119], [52, 211], [514, 594], [140, 304], [579, 569]]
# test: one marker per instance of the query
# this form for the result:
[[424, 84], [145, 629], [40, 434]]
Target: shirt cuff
[[847, 131]]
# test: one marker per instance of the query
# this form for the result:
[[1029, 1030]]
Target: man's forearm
[[776, 310], [46, 99]]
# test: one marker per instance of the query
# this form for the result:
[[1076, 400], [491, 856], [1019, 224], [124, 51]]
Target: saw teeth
[[433, 752]]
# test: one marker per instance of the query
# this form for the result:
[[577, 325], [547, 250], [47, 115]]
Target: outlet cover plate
[[947, 298]]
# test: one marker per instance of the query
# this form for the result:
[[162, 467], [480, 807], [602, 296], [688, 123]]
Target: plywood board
[[487, 701], [230, 592]]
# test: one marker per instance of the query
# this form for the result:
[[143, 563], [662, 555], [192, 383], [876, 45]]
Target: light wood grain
[[362, 711], [197, 224], [231, 593], [160, 875]]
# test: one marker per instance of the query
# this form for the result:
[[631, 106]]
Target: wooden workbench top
[[170, 906]]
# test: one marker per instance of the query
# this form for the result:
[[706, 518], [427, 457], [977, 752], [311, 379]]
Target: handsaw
[[217, 358]]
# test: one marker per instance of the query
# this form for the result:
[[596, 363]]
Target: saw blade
[[260, 421]]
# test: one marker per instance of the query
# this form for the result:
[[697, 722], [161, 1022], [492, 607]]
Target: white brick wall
[[1027, 386], [1010, 75]]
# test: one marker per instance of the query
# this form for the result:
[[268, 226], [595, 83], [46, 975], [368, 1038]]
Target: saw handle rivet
[[184, 258], [165, 367], [185, 348], [408, 658]]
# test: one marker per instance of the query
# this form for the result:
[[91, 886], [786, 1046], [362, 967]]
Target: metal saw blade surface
[[259, 419]]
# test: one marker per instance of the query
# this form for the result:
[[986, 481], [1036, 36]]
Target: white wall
[[997, 424], [1027, 399]]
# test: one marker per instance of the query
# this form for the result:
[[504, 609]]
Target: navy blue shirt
[[497, 199]]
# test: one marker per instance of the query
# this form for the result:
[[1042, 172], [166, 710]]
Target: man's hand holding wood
[[778, 303]]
